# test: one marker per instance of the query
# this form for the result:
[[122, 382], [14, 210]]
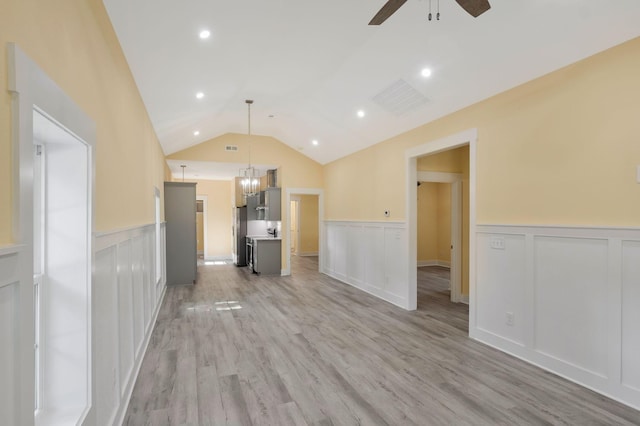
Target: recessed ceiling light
[[426, 72], [315, 142], [199, 95], [361, 113], [205, 34], [196, 133]]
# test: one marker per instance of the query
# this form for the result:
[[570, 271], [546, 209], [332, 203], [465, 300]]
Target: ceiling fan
[[475, 8]]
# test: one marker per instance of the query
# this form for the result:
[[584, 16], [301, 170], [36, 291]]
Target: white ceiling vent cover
[[400, 98], [231, 148]]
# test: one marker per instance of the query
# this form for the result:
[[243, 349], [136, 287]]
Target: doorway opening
[[443, 217], [303, 224], [427, 152], [62, 272]]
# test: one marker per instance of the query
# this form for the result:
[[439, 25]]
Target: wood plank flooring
[[238, 349]]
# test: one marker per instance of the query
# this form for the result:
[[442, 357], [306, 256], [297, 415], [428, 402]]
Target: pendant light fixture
[[249, 177]]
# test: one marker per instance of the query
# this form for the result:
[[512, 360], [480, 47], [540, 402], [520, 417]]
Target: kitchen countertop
[[264, 237]]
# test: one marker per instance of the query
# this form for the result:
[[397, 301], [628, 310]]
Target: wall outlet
[[497, 243], [510, 320]]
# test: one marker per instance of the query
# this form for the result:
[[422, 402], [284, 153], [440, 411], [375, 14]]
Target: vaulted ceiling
[[310, 66]]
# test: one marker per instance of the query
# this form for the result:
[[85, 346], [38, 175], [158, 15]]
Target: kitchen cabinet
[[180, 214], [272, 203], [265, 205], [252, 205], [267, 257]]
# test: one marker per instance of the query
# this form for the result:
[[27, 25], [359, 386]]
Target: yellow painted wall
[[427, 222], [74, 43], [294, 169], [434, 222], [200, 231], [561, 149], [308, 224], [219, 216], [444, 222]]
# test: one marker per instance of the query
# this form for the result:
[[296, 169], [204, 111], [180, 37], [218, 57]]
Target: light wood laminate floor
[[238, 349]]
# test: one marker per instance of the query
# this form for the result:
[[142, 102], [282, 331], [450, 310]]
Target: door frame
[[296, 199], [205, 207], [32, 89], [468, 137], [289, 192], [455, 179]]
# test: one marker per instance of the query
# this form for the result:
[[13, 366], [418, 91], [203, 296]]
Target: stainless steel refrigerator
[[239, 237]]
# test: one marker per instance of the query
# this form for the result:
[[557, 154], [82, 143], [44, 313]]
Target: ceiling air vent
[[231, 148], [400, 98]]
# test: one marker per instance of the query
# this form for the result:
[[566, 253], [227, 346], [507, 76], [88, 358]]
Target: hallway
[[240, 349]]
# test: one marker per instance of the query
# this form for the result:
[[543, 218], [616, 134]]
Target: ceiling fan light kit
[[474, 8]]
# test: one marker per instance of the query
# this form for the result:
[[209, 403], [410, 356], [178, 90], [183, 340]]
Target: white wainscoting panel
[[501, 287], [370, 256], [126, 303], [9, 282], [570, 279], [631, 315], [574, 294]]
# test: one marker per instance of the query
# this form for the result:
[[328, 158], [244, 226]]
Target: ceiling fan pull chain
[[438, 11], [429, 9]]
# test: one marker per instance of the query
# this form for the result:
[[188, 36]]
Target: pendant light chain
[[250, 179], [249, 102]]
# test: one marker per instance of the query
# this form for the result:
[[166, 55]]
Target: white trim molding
[[565, 299]]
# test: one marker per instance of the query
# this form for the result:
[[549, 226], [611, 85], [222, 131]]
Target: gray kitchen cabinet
[[252, 205], [272, 202], [267, 256], [180, 215]]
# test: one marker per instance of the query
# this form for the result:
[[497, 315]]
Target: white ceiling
[[313, 64]]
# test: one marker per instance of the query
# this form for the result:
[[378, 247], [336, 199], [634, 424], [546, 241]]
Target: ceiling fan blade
[[387, 10], [475, 8]]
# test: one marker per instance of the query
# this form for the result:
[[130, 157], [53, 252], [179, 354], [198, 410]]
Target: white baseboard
[[442, 263], [307, 253], [464, 298]]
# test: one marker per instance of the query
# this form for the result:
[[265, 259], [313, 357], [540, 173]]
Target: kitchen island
[[264, 254]]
